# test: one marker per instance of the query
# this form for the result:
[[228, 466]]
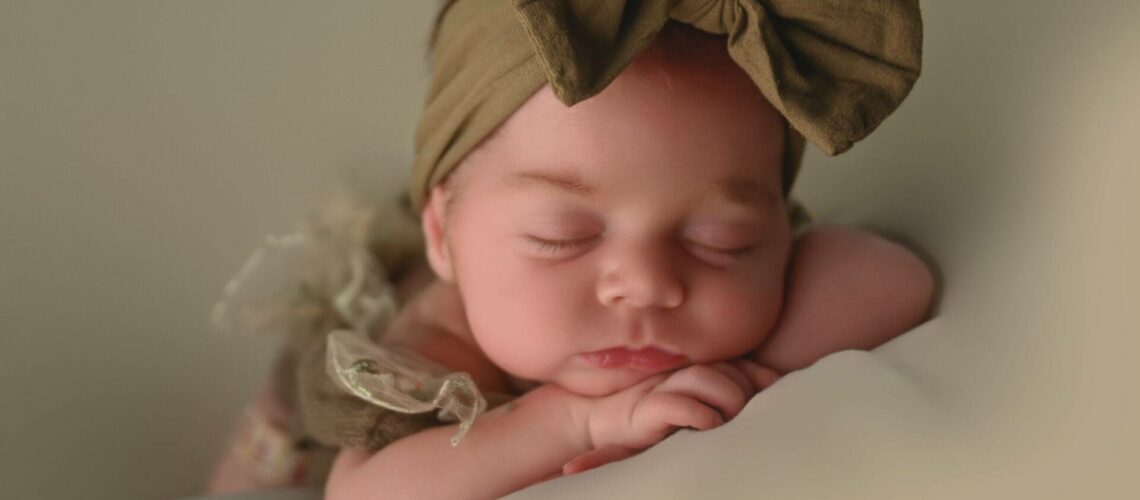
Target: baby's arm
[[847, 289], [531, 439], [510, 447]]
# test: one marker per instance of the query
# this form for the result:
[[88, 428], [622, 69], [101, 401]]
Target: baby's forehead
[[682, 100], [739, 188], [632, 133]]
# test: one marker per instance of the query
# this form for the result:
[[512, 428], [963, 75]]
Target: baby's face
[[641, 230]]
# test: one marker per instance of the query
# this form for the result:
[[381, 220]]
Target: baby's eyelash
[[734, 252], [554, 246]]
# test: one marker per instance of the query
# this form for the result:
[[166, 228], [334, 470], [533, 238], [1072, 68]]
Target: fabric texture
[[835, 69], [329, 288]]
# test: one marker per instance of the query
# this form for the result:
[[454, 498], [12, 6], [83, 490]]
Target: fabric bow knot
[[834, 68]]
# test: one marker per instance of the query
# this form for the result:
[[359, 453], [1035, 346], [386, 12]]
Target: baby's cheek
[[738, 317], [519, 332]]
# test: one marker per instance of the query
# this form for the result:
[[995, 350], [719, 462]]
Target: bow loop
[[585, 44]]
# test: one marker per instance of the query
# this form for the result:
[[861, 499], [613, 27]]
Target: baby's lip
[[647, 358]]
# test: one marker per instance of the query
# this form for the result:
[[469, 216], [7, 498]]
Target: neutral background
[[146, 148]]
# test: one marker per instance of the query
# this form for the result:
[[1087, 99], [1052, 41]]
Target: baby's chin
[[602, 382]]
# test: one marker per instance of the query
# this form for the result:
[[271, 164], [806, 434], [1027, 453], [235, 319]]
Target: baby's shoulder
[[433, 324]]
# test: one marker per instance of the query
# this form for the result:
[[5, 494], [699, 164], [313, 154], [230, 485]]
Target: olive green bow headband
[[834, 68]]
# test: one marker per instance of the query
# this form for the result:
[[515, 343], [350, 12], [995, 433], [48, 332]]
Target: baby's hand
[[699, 397]]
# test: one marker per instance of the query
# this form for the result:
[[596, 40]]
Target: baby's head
[[651, 215]]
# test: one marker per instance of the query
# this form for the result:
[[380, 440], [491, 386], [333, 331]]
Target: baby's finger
[[709, 386], [762, 377], [661, 412], [738, 375], [597, 458]]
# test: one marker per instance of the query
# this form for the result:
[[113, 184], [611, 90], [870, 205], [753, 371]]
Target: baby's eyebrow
[[738, 189], [746, 191], [562, 180]]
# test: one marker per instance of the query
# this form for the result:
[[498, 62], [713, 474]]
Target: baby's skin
[[631, 257]]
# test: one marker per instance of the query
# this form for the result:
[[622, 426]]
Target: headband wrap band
[[835, 69]]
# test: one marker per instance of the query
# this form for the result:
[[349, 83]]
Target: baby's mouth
[[647, 358]]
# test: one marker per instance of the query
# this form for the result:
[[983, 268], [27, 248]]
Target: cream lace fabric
[[324, 277]]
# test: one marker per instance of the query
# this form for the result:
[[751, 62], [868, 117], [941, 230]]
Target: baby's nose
[[640, 276]]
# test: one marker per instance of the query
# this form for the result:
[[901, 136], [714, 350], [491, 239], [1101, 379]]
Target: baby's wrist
[[577, 410]]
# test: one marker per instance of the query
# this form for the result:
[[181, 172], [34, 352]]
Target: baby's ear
[[434, 224]]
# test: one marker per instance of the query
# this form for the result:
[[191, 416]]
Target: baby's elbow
[[904, 284], [916, 288], [890, 278]]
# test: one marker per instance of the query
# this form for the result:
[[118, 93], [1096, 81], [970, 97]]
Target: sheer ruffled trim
[[402, 381], [323, 277]]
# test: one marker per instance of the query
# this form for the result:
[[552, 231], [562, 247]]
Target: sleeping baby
[[603, 196]]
